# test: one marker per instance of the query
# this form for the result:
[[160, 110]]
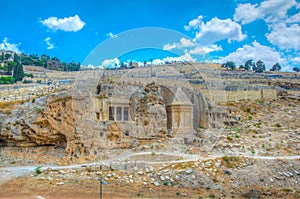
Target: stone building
[[180, 115], [152, 111]]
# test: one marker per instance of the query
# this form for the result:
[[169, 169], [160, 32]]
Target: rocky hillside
[[44, 121]]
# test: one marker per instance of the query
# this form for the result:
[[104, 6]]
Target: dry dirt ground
[[25, 187], [216, 178]]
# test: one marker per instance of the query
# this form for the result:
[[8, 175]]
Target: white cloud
[[50, 44], [183, 43], [111, 63], [285, 37], [294, 19], [217, 30], [296, 59], [255, 51], [186, 42], [184, 58], [5, 45], [111, 35], [269, 10], [115, 62], [205, 49], [195, 23], [69, 24], [276, 8], [170, 46], [246, 13]]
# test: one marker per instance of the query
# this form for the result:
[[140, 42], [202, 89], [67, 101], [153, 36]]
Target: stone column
[[115, 113]]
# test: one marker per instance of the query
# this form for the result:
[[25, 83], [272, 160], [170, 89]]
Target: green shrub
[[38, 170], [229, 138], [166, 183], [287, 189], [277, 125], [7, 80]]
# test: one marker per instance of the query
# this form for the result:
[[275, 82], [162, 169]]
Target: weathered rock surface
[[149, 111], [46, 121]]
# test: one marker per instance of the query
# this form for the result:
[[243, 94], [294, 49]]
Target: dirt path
[[8, 173]]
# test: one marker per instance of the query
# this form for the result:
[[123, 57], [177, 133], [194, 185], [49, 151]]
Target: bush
[[286, 189], [166, 183], [7, 80], [229, 138], [277, 125], [38, 170], [248, 110], [27, 81]]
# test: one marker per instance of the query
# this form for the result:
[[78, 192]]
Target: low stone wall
[[221, 96]]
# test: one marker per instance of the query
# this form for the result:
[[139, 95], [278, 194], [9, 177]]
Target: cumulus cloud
[[294, 19], [205, 49], [195, 23], [115, 62], [285, 37], [111, 63], [183, 43], [217, 29], [5, 45], [269, 10], [255, 51], [111, 35], [50, 44], [296, 59], [68, 24], [246, 13], [276, 8], [184, 58], [170, 46]]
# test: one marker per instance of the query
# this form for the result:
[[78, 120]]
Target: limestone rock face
[[47, 121], [149, 111]]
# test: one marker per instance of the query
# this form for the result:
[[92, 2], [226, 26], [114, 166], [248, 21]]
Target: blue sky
[[214, 30]]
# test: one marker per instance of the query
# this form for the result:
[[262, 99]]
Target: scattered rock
[[140, 172], [156, 183], [189, 171]]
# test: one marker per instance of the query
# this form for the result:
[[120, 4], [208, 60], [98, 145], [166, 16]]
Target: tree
[[260, 66], [229, 64], [17, 58], [145, 63], [296, 69], [242, 66], [10, 66], [18, 72], [2, 57], [123, 65], [46, 64], [276, 67], [7, 56], [249, 65]]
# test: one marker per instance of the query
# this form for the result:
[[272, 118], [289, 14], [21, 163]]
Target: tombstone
[[180, 116]]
